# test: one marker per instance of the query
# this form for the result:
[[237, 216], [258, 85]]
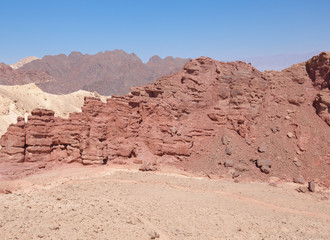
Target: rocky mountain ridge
[[10, 76], [22, 62], [108, 73]]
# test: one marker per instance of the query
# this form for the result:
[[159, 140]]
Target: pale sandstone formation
[[20, 100]]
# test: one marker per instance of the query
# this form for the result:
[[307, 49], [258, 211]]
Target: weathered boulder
[[322, 105], [299, 180], [318, 68], [262, 148], [311, 186], [147, 166], [229, 163], [264, 165]]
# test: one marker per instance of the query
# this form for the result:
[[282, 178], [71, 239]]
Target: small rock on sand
[[290, 134], [264, 165], [228, 150], [147, 166], [311, 186], [225, 140], [262, 148], [302, 189], [154, 235], [299, 180], [229, 163]]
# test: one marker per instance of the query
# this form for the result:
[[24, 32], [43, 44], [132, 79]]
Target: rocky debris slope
[[20, 100], [215, 118], [108, 73]]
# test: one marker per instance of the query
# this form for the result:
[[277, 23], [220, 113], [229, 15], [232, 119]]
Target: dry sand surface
[[20, 100], [108, 203]]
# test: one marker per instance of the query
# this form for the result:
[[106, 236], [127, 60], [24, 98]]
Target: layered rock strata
[[193, 120], [164, 118]]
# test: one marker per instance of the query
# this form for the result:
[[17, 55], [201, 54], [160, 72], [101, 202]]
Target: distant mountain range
[[22, 62], [10, 76], [108, 73]]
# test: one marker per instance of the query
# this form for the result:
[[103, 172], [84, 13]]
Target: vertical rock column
[[93, 142], [13, 143], [39, 135]]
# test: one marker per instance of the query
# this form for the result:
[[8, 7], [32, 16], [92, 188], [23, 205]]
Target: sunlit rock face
[[209, 114]]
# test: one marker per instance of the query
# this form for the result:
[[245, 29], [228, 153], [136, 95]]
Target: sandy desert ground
[[111, 203]]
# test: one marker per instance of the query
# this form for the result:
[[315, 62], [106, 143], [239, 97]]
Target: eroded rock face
[[165, 118], [322, 105], [318, 69], [182, 119]]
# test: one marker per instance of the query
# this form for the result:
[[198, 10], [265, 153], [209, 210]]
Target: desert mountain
[[10, 76], [23, 61], [108, 73], [225, 120], [19, 101]]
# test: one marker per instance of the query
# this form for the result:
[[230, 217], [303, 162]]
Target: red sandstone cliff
[[223, 119]]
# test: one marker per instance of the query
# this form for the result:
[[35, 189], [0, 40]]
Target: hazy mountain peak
[[75, 54], [23, 61], [155, 58]]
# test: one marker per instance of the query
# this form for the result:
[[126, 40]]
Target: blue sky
[[223, 30]]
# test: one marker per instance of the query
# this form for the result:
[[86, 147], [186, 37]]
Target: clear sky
[[223, 30]]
